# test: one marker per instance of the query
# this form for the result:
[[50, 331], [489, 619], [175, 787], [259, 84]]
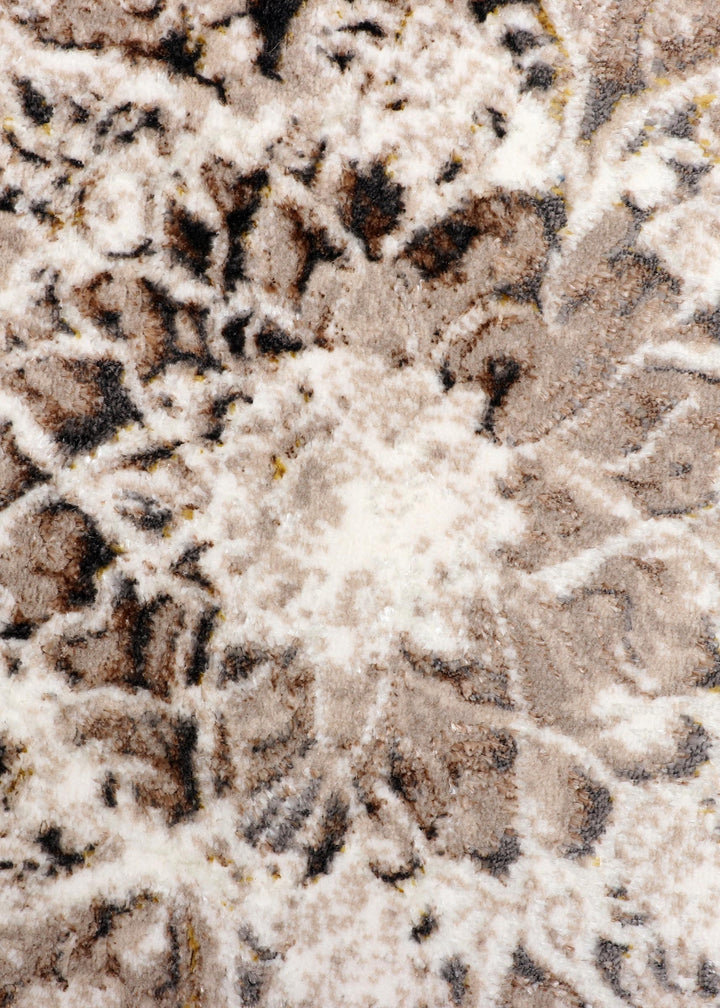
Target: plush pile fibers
[[359, 470]]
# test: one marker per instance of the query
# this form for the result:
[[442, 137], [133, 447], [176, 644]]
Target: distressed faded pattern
[[359, 481]]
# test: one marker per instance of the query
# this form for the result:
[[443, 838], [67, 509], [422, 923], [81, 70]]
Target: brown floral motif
[[359, 472]]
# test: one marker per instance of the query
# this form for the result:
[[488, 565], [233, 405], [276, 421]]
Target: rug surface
[[359, 541]]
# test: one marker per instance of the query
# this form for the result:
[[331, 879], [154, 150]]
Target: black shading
[[498, 121], [525, 967], [263, 953], [447, 377], [401, 776], [152, 13], [8, 199], [144, 248], [689, 175], [436, 249], [539, 77], [35, 105], [27, 155], [148, 119], [653, 273], [78, 113], [166, 309], [170, 746], [109, 790], [680, 124], [602, 98], [308, 174], [608, 959], [657, 961], [271, 340], [632, 920], [518, 40], [50, 842], [295, 813], [368, 27], [341, 60], [95, 555], [173, 967], [424, 927], [142, 617], [18, 631], [218, 412], [374, 206], [711, 677], [192, 241], [504, 751], [694, 750], [272, 18], [105, 914], [255, 828], [526, 290], [39, 209], [150, 515], [200, 656], [50, 298], [27, 474], [454, 972], [234, 333], [182, 55], [82, 433], [223, 770], [708, 980], [553, 213], [636, 774], [596, 811], [472, 679], [106, 318], [181, 757], [105, 124], [481, 9], [334, 827], [126, 137], [499, 861], [147, 459], [250, 987], [501, 373], [246, 202], [449, 171], [392, 878], [239, 662], [316, 248], [711, 320], [186, 566], [138, 629]]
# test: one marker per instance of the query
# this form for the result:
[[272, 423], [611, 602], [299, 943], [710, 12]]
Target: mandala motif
[[359, 449]]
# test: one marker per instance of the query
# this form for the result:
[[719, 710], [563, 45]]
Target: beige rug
[[359, 541]]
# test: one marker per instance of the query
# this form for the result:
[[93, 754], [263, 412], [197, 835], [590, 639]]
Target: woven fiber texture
[[359, 470]]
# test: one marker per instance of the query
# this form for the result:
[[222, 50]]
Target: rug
[[359, 541]]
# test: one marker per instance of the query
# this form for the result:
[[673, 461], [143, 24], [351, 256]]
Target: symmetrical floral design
[[359, 450]]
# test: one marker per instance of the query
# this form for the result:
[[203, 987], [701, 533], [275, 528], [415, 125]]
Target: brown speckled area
[[359, 481]]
